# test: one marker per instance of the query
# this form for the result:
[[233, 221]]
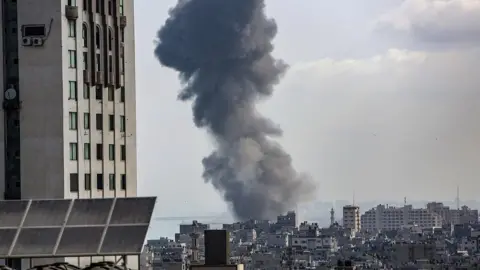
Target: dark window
[[85, 35], [72, 3], [123, 152], [110, 7], [99, 151], [34, 31], [97, 37], [99, 181], [98, 92], [110, 63], [123, 182], [97, 6], [86, 120], [111, 122], [99, 121], [111, 181], [122, 94], [88, 181], [85, 5], [110, 39], [74, 182]]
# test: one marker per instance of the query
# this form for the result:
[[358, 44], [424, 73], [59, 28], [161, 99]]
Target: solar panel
[[46, 213], [90, 212], [72, 228], [78, 240], [132, 211], [11, 213], [36, 242], [124, 239], [6, 238]]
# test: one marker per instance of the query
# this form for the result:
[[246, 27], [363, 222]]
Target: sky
[[382, 99]]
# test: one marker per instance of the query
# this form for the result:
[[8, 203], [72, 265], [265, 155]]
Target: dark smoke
[[222, 50]]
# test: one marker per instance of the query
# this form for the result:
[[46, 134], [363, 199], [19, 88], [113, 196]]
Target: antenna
[[458, 198], [353, 199], [404, 201]]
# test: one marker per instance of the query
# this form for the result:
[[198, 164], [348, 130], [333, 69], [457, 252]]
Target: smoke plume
[[222, 50]]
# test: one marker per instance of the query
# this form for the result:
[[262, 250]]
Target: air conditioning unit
[[37, 42], [27, 41]]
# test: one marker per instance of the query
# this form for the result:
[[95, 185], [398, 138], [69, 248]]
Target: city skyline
[[373, 103]]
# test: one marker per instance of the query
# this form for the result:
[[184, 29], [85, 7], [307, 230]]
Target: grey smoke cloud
[[222, 51]]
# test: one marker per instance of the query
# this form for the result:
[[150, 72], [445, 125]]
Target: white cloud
[[449, 21], [403, 119]]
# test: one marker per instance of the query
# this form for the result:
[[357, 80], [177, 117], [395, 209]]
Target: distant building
[[288, 220], [351, 218], [453, 216], [391, 218]]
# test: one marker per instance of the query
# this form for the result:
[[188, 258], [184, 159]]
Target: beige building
[[351, 218], [69, 99], [68, 113]]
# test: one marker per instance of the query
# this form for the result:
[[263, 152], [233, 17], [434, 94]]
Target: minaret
[[332, 217]]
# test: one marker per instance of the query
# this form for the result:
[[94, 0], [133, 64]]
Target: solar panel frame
[[144, 205]]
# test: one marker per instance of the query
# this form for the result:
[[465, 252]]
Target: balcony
[[71, 12]]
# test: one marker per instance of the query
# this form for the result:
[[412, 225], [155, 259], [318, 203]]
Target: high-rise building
[[351, 218], [68, 120]]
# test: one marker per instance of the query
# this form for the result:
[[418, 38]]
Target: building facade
[[351, 218], [68, 118], [390, 218], [69, 99]]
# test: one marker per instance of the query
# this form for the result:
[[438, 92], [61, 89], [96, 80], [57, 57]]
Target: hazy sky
[[382, 98]]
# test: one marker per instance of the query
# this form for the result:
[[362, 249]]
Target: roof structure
[[74, 228]]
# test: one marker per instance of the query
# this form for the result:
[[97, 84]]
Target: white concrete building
[[389, 217], [68, 113], [351, 218]]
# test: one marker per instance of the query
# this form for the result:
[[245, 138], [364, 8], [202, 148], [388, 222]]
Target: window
[[86, 91], [86, 120], [99, 181], [97, 36], [72, 55], [99, 151], [72, 120], [72, 90], [122, 94], [74, 182], [110, 7], [72, 3], [98, 92], [111, 181], [111, 94], [123, 152], [72, 28], [122, 123], [85, 60], [110, 39], [85, 35], [99, 121], [111, 151], [122, 35], [73, 151], [86, 151], [123, 182], [97, 6], [121, 7], [110, 63], [99, 62], [88, 181], [85, 4], [111, 122]]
